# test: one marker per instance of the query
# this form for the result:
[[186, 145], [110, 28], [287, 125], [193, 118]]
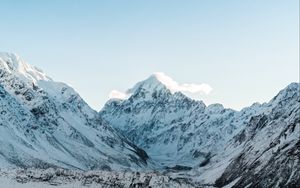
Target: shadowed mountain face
[[45, 124]]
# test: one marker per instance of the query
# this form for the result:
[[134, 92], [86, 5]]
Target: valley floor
[[76, 179]]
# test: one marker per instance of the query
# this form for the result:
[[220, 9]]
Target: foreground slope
[[45, 123], [61, 178]]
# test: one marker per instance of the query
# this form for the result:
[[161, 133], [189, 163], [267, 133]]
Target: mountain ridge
[[46, 118]]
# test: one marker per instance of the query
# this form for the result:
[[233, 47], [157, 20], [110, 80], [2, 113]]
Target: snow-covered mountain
[[171, 127], [44, 123], [218, 145]]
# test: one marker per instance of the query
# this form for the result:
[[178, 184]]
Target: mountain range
[[46, 124]]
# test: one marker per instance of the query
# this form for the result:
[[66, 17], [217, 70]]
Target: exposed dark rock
[[179, 168]]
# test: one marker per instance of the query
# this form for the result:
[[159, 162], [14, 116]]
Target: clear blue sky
[[245, 50]]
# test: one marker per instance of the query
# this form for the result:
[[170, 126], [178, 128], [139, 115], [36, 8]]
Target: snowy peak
[[18, 67], [160, 80], [159, 85], [144, 89], [151, 84]]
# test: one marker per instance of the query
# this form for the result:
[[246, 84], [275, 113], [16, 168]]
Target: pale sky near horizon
[[245, 50]]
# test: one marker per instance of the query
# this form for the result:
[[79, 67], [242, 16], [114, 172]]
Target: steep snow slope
[[45, 123], [269, 146]]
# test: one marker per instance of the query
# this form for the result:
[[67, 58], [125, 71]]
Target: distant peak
[[151, 84], [160, 80], [159, 83]]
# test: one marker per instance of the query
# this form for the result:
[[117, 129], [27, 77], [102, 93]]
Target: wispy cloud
[[115, 94], [185, 87]]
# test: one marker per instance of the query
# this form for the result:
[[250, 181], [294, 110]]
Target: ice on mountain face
[[47, 124]]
